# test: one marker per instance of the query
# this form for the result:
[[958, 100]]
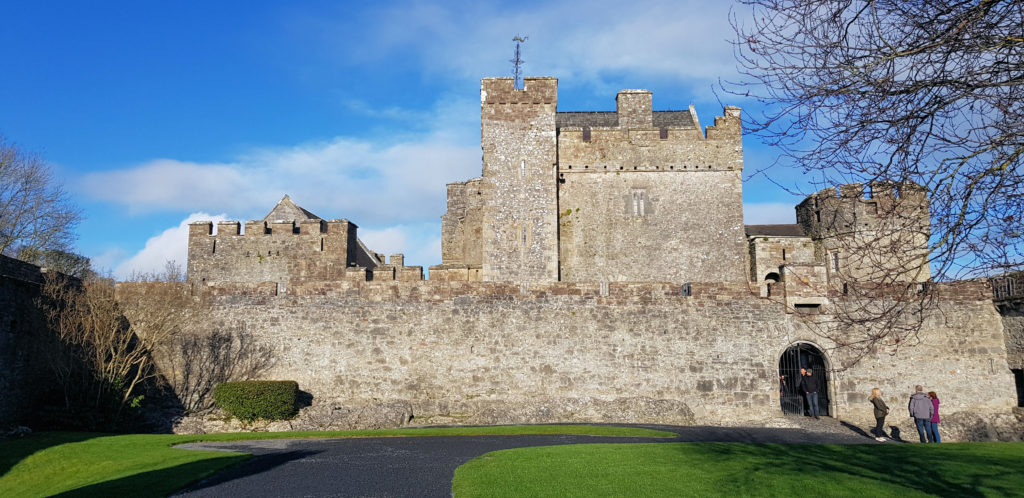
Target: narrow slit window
[[639, 203], [522, 168], [783, 254], [215, 247], [524, 235], [586, 133], [835, 261], [321, 244]]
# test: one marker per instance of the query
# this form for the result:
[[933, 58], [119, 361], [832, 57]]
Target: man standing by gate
[[811, 387]]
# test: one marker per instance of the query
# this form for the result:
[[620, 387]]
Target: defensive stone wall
[[492, 352], [23, 339]]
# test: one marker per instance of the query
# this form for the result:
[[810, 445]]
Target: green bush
[[258, 399]]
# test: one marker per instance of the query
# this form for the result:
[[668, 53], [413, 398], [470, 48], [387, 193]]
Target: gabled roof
[[286, 210], [774, 231]]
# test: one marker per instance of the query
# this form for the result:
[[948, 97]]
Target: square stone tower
[[520, 221]]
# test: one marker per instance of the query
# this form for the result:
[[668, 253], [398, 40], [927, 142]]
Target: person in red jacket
[[933, 424]]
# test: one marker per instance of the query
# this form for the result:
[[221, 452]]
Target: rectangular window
[[639, 203], [783, 254], [586, 133], [524, 235], [835, 261], [522, 169], [663, 133]]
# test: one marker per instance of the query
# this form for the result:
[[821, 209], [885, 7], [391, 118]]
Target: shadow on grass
[[953, 470], [13, 451], [175, 479]]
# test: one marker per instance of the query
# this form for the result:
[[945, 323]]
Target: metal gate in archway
[[791, 397]]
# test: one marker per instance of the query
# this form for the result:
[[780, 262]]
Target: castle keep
[[599, 270], [630, 195]]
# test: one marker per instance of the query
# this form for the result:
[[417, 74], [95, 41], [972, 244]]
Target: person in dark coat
[[881, 410], [921, 410], [811, 387]]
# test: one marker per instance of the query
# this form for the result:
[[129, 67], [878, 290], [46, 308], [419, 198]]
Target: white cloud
[[680, 39], [768, 213], [365, 181], [169, 245]]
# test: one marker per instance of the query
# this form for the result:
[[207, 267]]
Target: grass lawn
[[91, 464], [735, 469]]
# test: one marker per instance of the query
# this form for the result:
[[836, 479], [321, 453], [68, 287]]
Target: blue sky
[[155, 114]]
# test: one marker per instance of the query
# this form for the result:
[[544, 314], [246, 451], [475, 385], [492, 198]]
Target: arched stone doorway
[[797, 356]]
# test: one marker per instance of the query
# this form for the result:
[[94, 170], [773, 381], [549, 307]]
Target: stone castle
[[599, 270], [634, 195]]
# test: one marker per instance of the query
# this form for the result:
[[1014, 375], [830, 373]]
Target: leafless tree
[[898, 93], [196, 361], [199, 354], [925, 92], [100, 357], [35, 212], [105, 341]]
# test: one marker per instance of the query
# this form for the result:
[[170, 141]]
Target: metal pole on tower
[[517, 63]]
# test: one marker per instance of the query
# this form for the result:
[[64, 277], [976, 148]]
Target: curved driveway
[[424, 466]]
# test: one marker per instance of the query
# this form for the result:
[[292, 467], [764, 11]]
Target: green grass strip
[[735, 469], [50, 463]]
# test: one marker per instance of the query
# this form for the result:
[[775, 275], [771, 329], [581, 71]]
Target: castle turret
[[519, 229], [878, 237]]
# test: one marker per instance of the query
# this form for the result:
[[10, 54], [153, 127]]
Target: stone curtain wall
[[22, 341], [462, 352]]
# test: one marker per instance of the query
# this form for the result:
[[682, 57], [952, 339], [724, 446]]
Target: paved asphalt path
[[424, 466]]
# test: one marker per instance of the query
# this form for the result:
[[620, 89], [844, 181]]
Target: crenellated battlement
[[635, 138], [536, 90], [875, 234], [831, 211], [289, 245]]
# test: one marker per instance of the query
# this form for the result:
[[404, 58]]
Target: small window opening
[[783, 254], [639, 203], [321, 244], [807, 309], [835, 261], [663, 133], [586, 133], [817, 216], [522, 168], [524, 236], [215, 247]]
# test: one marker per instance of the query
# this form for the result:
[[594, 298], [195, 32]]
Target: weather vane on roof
[[517, 63]]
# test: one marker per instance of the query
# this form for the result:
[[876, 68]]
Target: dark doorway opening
[[791, 397]]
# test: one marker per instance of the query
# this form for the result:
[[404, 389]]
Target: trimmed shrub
[[258, 399]]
